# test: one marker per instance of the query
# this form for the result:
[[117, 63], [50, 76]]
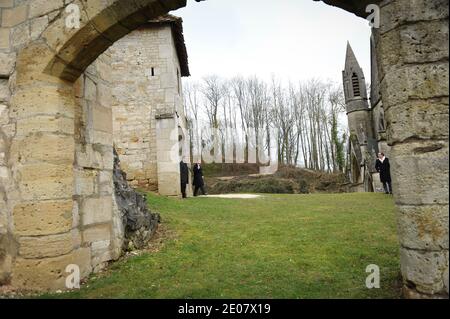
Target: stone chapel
[[366, 123]]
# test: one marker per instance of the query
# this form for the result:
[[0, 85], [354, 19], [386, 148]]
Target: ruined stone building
[[137, 82], [366, 123], [58, 190]]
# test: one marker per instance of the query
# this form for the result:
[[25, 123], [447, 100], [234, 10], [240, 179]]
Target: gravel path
[[235, 196]]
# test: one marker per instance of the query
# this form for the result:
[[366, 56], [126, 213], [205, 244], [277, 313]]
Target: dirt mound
[[287, 180]]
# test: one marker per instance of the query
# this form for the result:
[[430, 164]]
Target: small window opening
[[355, 84], [153, 71]]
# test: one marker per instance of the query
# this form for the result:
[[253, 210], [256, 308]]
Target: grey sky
[[293, 39]]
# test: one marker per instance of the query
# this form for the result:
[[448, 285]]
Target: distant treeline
[[304, 117]]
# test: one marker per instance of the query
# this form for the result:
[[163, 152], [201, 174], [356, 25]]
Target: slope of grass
[[277, 246]]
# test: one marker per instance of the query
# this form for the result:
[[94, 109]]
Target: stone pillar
[[41, 159], [167, 147], [412, 46]]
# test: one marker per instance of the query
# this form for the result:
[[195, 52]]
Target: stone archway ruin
[[40, 59]]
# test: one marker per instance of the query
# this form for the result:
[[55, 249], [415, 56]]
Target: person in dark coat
[[198, 179], [184, 177], [384, 168]]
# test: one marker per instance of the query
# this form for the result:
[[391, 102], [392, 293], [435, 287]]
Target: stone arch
[[44, 213], [101, 24]]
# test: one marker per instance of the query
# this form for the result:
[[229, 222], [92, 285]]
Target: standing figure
[[184, 177], [384, 168], [198, 179]]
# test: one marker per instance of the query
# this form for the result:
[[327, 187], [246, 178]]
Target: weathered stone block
[[14, 16], [425, 269], [57, 149], [72, 43], [102, 119], [105, 183], [419, 47], [420, 168], [4, 91], [107, 22], [85, 182], [104, 96], [99, 261], [412, 82], [7, 62], [400, 12], [8, 248], [423, 227], [46, 246], [96, 233], [46, 181], [76, 238], [88, 157], [96, 210], [169, 184], [4, 172], [38, 26], [42, 7], [43, 218], [90, 90], [20, 36], [78, 87], [44, 123], [49, 273], [95, 156], [423, 119], [9, 130], [411, 44], [4, 38], [75, 215], [24, 103], [6, 3]]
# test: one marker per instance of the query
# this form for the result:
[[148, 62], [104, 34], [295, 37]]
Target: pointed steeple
[[354, 83], [350, 58]]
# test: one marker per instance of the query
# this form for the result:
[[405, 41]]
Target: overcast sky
[[293, 39]]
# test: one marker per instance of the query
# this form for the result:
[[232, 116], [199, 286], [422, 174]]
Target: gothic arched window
[[355, 84]]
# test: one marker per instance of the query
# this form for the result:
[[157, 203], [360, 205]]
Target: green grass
[[278, 246]]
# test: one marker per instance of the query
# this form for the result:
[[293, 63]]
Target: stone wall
[[412, 46], [145, 80], [57, 203], [140, 77], [96, 217]]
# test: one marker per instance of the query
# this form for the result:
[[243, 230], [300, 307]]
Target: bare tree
[[306, 116]]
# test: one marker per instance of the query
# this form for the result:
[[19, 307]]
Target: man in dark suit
[[198, 179], [184, 177], [384, 168]]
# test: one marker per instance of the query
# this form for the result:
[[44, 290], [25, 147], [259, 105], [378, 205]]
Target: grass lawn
[[277, 246]]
